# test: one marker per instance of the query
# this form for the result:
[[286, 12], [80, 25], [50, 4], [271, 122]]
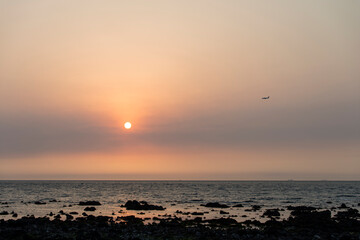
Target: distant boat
[[266, 97]]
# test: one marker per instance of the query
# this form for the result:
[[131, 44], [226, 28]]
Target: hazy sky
[[189, 75]]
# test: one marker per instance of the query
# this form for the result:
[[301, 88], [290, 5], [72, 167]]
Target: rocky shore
[[303, 223]]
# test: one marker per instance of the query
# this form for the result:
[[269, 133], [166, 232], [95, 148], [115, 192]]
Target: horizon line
[[191, 180]]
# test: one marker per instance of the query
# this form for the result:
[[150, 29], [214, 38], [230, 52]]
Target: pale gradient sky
[[189, 75]]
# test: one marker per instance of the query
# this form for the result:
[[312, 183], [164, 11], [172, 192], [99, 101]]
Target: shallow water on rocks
[[185, 196]]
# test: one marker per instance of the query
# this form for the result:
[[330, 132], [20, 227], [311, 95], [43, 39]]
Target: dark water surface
[[19, 196]]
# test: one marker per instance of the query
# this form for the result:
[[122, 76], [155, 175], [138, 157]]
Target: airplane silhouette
[[266, 97]]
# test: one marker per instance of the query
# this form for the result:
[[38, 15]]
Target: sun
[[127, 125]]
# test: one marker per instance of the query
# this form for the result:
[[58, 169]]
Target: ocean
[[178, 197]]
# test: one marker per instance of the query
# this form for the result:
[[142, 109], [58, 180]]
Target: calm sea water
[[19, 196]]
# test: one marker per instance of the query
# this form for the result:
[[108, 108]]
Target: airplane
[[266, 97]]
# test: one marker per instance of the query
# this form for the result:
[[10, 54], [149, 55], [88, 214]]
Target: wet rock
[[343, 206], [130, 227], [301, 208], [222, 221], [223, 212], [253, 222], [132, 219], [238, 205], [135, 205], [349, 213], [316, 237], [255, 207], [90, 203], [91, 209], [197, 213], [215, 205], [310, 217], [272, 213]]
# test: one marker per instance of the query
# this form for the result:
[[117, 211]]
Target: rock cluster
[[215, 205], [142, 205], [90, 203]]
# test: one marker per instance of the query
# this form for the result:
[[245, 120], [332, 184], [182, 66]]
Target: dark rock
[[90, 203], [343, 206], [4, 213], [310, 217], [132, 219], [15, 215], [69, 217], [223, 212], [349, 213], [90, 209], [256, 207], [39, 203], [301, 208], [84, 214], [238, 205], [197, 213], [53, 200], [272, 213], [135, 205], [253, 222], [74, 213], [222, 221], [215, 205]]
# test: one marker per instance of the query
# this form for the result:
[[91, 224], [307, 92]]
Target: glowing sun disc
[[127, 125]]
